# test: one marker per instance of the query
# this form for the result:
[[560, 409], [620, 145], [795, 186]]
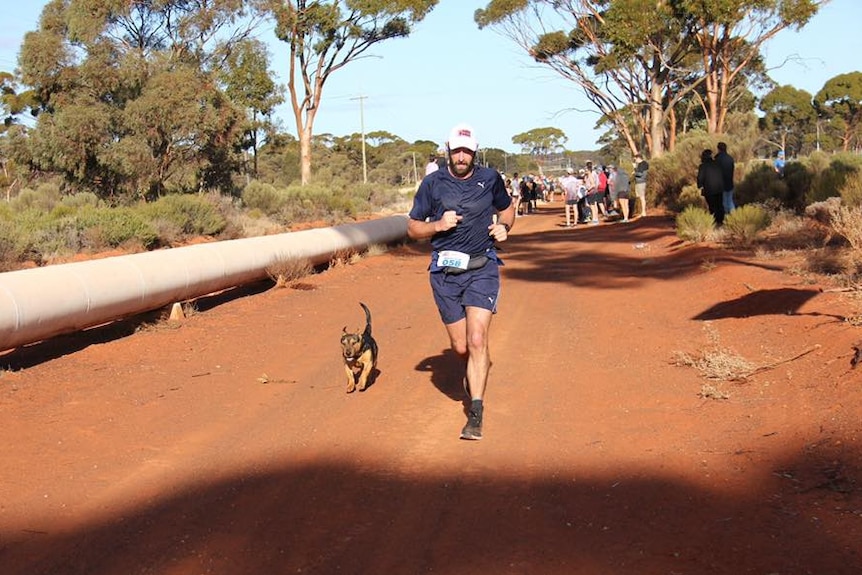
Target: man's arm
[[420, 229], [505, 220]]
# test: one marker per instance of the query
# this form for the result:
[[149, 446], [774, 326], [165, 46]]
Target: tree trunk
[[671, 138], [305, 154], [657, 121]]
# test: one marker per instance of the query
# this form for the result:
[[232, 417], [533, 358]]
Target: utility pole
[[362, 128]]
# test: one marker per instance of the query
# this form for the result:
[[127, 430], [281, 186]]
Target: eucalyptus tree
[[128, 92], [730, 35], [14, 102], [637, 59], [323, 37], [540, 143], [840, 100], [788, 116], [623, 54], [249, 84]]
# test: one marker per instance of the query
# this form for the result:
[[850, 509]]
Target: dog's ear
[[345, 330]]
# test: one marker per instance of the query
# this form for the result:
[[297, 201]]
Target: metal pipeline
[[39, 303]]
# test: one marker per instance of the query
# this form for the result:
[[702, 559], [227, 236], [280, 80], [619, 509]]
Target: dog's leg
[[363, 375], [351, 381]]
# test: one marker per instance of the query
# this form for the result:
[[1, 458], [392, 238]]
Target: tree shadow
[[782, 301], [65, 344], [547, 255], [334, 518]]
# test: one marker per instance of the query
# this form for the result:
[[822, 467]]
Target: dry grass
[[821, 246], [709, 391], [345, 257], [286, 271], [715, 362], [376, 250], [847, 222], [190, 308], [826, 261]]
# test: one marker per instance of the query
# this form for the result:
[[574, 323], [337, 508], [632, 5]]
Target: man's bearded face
[[461, 162]]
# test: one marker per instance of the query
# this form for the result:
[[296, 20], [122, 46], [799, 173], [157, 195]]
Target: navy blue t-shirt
[[477, 199]]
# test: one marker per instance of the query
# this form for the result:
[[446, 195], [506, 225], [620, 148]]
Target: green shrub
[[799, 179], [42, 235], [830, 175], [263, 197], [690, 196], [379, 196], [113, 227], [14, 246], [760, 185], [43, 199], [316, 202], [695, 224], [744, 223], [80, 200], [672, 173], [192, 215], [851, 189]]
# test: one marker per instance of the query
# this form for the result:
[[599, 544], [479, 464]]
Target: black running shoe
[[473, 429]]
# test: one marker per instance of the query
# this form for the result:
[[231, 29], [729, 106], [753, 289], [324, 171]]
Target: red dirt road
[[227, 445]]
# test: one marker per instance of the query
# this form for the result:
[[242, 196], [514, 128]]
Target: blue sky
[[448, 71]]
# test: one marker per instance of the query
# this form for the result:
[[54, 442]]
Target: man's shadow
[[447, 374]]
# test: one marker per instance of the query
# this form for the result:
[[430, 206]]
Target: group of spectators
[[590, 193], [594, 191], [526, 192]]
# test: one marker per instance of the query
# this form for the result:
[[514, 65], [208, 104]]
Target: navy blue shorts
[[475, 288]]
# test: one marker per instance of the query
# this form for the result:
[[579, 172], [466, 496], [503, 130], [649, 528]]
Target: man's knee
[[477, 341], [459, 347]]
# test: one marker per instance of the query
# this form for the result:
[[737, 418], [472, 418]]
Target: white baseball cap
[[570, 170], [462, 136]]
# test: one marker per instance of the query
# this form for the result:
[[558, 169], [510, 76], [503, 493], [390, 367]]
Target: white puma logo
[[481, 184]]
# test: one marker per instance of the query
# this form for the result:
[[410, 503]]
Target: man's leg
[[641, 194], [469, 339], [728, 202], [471, 335], [624, 208]]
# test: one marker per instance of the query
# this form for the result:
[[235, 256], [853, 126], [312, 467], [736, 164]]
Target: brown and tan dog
[[359, 351]]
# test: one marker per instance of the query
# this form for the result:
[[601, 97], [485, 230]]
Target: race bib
[[453, 259]]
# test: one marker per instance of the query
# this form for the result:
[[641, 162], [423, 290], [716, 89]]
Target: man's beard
[[461, 170]]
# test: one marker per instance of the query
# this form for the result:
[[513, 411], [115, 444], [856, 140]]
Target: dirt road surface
[[225, 444]]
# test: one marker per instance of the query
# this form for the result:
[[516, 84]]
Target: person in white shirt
[[432, 165], [572, 186]]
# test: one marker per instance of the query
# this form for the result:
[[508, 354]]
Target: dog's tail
[[367, 318]]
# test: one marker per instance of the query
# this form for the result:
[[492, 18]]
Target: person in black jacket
[[726, 162], [710, 182]]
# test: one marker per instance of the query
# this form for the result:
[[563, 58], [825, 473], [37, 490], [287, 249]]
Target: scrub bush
[[695, 224], [744, 223], [262, 196], [192, 215], [114, 227]]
